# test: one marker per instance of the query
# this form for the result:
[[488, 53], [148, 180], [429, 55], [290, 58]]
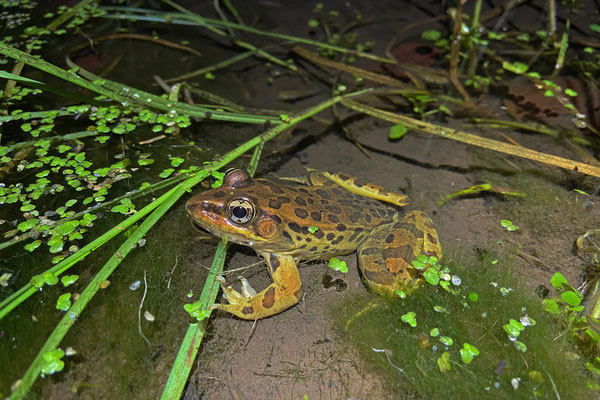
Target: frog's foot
[[385, 257], [284, 292]]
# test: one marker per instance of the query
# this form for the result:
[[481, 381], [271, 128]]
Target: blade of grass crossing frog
[[195, 332]]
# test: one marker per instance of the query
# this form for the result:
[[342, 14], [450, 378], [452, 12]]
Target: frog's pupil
[[239, 212]]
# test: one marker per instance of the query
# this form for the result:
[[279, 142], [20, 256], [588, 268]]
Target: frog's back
[[342, 219]]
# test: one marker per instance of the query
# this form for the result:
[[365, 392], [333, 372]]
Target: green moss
[[412, 358]]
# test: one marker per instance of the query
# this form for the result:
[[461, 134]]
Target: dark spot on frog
[[333, 209], [338, 240], [303, 190], [276, 218], [333, 218], [316, 216], [242, 183], [308, 240], [359, 183], [300, 201], [313, 249], [299, 238], [311, 201], [297, 228], [345, 202], [319, 234], [382, 276], [298, 294], [274, 261], [357, 231], [286, 235], [341, 227], [370, 251], [402, 252], [247, 310], [336, 191], [431, 238], [330, 236], [322, 193], [390, 238], [368, 218], [324, 201], [354, 217], [278, 202], [272, 187], [344, 177], [382, 212], [219, 194], [211, 207], [269, 298], [301, 213]]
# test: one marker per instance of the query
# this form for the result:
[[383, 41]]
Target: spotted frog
[[278, 221]]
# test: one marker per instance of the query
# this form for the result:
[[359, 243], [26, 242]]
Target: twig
[[140, 311], [171, 274]]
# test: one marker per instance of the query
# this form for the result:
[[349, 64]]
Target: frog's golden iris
[[274, 220]]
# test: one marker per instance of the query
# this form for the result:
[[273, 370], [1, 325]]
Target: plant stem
[[469, 138]]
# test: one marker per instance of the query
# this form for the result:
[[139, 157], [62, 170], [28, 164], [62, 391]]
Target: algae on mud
[[425, 360]]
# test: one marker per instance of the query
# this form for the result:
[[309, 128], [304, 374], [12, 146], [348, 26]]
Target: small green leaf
[[431, 276], [511, 330], [434, 332], [431, 34], [468, 352], [571, 298], [166, 173], [27, 225], [473, 297], [195, 310], [397, 131], [37, 281], [50, 279], [595, 27], [68, 280], [516, 67], [338, 265], [400, 293], [33, 245], [444, 362], [64, 302], [52, 362], [558, 280], [570, 92], [446, 340], [313, 23], [312, 229], [551, 306], [520, 346], [409, 318]]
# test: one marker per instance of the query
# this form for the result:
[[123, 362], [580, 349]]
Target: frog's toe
[[247, 290]]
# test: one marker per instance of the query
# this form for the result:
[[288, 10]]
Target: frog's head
[[233, 210]]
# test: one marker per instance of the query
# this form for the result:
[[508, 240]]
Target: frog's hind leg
[[385, 256]]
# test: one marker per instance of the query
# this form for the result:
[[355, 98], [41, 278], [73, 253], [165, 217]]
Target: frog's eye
[[240, 211]]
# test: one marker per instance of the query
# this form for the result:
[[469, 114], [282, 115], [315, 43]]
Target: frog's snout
[[190, 206]]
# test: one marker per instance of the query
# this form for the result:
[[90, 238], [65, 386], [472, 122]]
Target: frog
[[316, 217]]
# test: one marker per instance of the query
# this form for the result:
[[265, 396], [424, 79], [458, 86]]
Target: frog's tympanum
[[274, 220]]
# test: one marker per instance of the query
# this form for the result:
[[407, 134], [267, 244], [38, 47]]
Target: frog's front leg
[[284, 292]]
